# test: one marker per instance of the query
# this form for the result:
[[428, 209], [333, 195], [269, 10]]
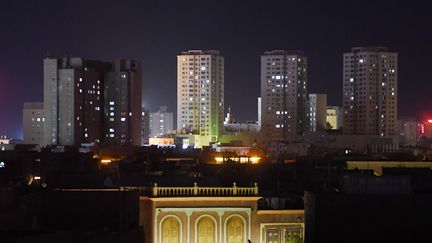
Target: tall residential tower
[[123, 112], [200, 94], [370, 91], [283, 95], [73, 96]]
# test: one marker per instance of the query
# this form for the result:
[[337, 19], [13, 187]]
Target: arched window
[[171, 230], [206, 231], [235, 230]]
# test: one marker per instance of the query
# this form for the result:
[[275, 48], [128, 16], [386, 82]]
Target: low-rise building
[[162, 141], [215, 214]]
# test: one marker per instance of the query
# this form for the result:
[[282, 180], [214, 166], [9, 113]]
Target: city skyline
[[240, 37]]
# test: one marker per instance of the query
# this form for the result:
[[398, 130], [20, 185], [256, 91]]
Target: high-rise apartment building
[[161, 122], [283, 95], [73, 96], [123, 112], [370, 91], [200, 94], [317, 112], [33, 123]]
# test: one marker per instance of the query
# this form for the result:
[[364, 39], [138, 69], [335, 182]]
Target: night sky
[[154, 32]]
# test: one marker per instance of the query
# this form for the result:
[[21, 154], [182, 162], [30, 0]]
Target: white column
[[188, 213], [220, 213], [155, 225], [249, 221]]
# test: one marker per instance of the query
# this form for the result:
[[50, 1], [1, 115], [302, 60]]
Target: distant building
[[259, 111], [161, 122], [283, 95], [162, 141], [73, 99], [200, 94], [334, 118], [353, 143], [145, 126], [317, 112], [243, 132], [4, 140], [123, 111], [33, 123], [370, 91], [407, 129]]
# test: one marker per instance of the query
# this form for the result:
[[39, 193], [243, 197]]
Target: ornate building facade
[[216, 215]]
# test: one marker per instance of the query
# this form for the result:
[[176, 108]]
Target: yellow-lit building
[[377, 166], [216, 215], [333, 117], [162, 141]]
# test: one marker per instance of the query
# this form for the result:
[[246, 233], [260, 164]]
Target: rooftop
[[372, 48], [283, 52], [200, 52]]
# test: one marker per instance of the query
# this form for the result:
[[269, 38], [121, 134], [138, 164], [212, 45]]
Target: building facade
[[259, 112], [123, 109], [33, 123], [216, 215], [73, 96], [317, 112], [145, 126], [408, 131], [161, 122], [200, 94], [283, 95], [370, 91], [334, 118]]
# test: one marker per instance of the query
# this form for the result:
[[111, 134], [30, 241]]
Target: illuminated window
[[235, 230], [171, 230], [206, 231]]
